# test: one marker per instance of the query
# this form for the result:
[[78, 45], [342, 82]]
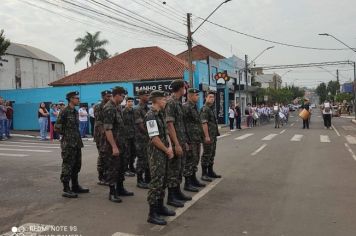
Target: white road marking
[[187, 205], [337, 132], [243, 136], [125, 234], [297, 138], [22, 146], [13, 155], [350, 139], [350, 150], [224, 135], [324, 139], [50, 144], [349, 128], [24, 150], [283, 131], [269, 137], [258, 150]]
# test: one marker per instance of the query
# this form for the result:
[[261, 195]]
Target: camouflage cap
[[72, 94], [119, 90], [105, 92], [193, 90], [130, 99], [143, 92], [157, 94]]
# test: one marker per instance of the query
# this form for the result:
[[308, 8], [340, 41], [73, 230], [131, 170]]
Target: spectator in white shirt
[[83, 120], [231, 117], [327, 113]]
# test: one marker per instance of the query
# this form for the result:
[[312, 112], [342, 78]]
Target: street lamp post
[[190, 40], [354, 65]]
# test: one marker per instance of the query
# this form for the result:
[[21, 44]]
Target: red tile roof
[[200, 52], [137, 64]]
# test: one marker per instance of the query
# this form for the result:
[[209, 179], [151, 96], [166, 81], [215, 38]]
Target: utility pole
[[246, 70], [337, 75], [190, 45], [354, 87]]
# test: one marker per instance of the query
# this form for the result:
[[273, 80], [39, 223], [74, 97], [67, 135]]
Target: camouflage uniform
[[142, 139], [71, 143], [174, 113], [100, 138], [113, 120], [129, 120], [194, 135], [207, 115], [157, 159]]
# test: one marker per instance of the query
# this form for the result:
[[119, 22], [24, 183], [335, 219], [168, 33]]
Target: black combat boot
[[121, 191], [101, 178], [76, 188], [173, 199], [140, 182], [204, 174], [181, 196], [112, 195], [195, 181], [153, 216], [163, 210], [188, 186], [67, 192], [147, 176], [211, 172]]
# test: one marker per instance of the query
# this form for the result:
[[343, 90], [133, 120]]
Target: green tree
[[333, 87], [91, 45], [321, 90], [283, 95], [4, 44], [344, 96]]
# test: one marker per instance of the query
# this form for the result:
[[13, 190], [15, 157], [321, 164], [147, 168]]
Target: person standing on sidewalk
[[92, 119], [231, 117], [83, 120], [238, 116], [43, 121], [327, 112], [71, 144], [2, 118], [9, 116]]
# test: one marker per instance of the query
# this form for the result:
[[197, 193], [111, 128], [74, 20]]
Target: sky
[[287, 21]]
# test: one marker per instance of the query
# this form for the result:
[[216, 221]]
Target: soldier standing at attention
[[129, 121], [177, 134], [71, 144], [195, 138], [115, 145], [100, 138], [160, 152], [142, 140], [211, 132]]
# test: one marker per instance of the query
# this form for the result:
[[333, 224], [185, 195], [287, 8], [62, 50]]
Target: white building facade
[[29, 67]]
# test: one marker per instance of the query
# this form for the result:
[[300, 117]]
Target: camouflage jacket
[[140, 114], [98, 113], [68, 125], [113, 120], [157, 116], [174, 113], [207, 115], [193, 123], [129, 120]]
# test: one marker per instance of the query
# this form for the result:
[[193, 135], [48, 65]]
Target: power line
[[169, 8], [334, 63], [272, 41]]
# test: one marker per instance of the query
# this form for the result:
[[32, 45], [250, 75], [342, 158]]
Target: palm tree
[[4, 44], [92, 46]]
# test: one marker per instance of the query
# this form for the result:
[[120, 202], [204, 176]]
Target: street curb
[[353, 121]]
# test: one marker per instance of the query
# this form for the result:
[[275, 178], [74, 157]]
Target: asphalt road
[[286, 181]]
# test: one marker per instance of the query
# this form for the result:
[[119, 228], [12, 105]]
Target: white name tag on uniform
[[152, 128]]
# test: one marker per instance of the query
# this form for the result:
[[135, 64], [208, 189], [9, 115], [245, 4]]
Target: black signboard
[[154, 85], [220, 105]]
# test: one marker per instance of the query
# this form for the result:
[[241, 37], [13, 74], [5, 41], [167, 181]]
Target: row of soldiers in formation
[[166, 138]]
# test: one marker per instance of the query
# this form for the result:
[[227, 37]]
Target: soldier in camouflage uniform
[[129, 120], [195, 139], [71, 144], [100, 138], [211, 132], [142, 140], [159, 151], [177, 134], [116, 144]]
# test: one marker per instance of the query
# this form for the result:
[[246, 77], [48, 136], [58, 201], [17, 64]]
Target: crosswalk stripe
[[24, 146], [15, 142], [297, 138], [24, 150], [350, 139], [13, 155], [243, 136], [269, 137], [324, 139]]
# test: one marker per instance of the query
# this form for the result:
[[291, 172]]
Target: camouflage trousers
[[192, 160], [71, 162], [131, 152], [142, 157], [158, 169], [175, 169], [100, 140], [209, 150], [116, 165]]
